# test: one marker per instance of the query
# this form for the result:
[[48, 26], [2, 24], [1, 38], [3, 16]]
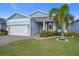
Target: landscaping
[[49, 47], [54, 33]]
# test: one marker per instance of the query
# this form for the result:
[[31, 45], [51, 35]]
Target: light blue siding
[[17, 16], [34, 27], [18, 20], [74, 27], [3, 26]]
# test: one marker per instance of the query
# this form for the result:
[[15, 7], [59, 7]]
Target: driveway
[[9, 38]]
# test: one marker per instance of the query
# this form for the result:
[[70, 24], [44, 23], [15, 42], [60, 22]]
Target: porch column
[[44, 27]]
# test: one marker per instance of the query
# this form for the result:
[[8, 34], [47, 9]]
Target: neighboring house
[[2, 24], [18, 24], [74, 27]]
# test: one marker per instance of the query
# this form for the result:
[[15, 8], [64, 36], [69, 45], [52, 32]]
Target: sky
[[7, 9]]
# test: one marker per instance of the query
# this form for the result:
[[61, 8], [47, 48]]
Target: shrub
[[44, 33], [69, 34], [48, 33], [54, 33], [3, 32]]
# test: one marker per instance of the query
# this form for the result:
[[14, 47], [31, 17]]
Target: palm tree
[[61, 17], [63, 11], [68, 20], [53, 16]]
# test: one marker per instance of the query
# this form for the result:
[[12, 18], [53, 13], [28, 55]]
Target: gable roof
[[17, 14], [42, 13], [75, 21], [37, 13]]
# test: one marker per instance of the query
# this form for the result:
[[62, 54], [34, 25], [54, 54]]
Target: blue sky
[[7, 9]]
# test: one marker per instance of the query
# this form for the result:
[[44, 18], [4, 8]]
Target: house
[[2, 24], [19, 24], [74, 26]]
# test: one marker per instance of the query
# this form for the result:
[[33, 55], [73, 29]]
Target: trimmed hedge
[[54, 33]]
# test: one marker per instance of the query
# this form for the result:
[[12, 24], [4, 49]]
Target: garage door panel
[[20, 30]]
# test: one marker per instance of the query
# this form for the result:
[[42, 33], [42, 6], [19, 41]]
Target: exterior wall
[[0, 26], [18, 19], [74, 27], [34, 27], [3, 26]]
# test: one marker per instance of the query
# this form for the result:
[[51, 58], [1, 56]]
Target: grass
[[50, 47]]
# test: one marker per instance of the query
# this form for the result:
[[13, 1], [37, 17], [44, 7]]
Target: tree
[[68, 20], [63, 11]]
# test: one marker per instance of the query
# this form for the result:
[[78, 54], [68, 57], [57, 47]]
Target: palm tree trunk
[[56, 28], [62, 31], [67, 29], [62, 37]]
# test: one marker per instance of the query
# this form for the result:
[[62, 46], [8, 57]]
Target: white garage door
[[19, 30]]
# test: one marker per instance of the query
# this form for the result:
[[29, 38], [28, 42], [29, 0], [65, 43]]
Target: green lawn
[[41, 47]]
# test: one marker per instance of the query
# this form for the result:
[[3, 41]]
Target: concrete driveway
[[9, 38]]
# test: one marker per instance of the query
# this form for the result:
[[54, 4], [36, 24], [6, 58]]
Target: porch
[[44, 23]]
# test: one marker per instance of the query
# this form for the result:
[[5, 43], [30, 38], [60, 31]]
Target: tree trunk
[[56, 27], [67, 29], [62, 37]]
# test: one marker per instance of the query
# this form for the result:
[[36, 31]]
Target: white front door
[[19, 30]]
